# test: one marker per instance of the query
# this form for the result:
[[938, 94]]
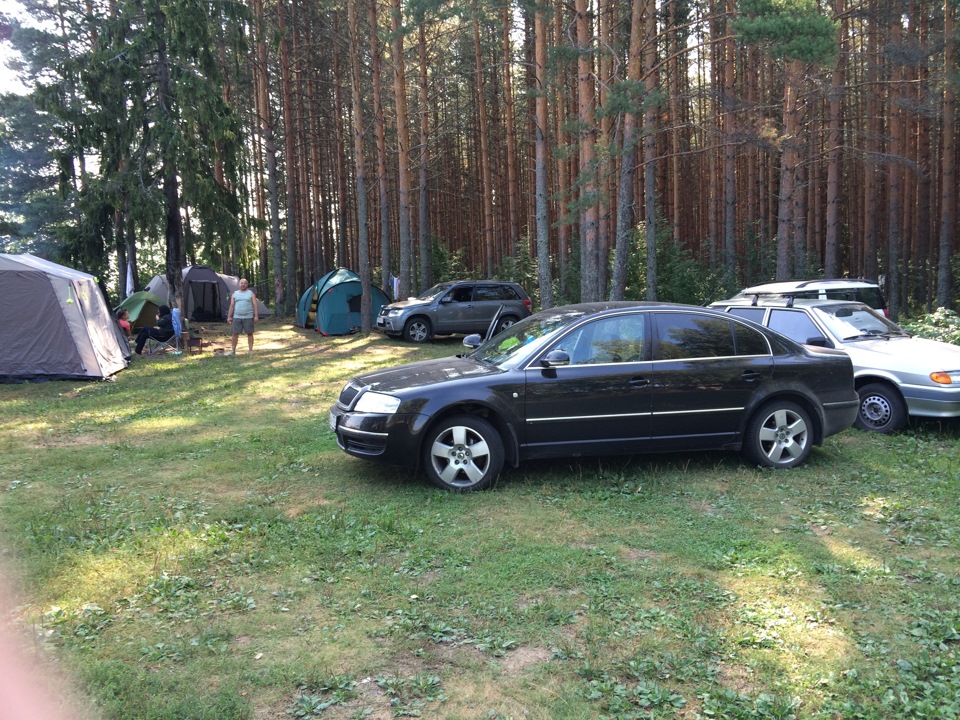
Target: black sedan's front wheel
[[463, 453], [780, 435]]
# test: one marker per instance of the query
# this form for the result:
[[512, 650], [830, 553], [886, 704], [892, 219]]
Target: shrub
[[942, 324]]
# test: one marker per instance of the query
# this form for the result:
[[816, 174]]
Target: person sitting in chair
[[163, 330], [123, 318]]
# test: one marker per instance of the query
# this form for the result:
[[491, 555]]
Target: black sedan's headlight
[[377, 403]]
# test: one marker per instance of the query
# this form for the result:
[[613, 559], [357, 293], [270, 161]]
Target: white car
[[854, 289], [896, 374]]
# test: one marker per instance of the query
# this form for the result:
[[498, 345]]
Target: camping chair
[[174, 342]]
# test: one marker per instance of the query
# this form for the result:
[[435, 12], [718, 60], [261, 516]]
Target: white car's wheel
[[882, 409]]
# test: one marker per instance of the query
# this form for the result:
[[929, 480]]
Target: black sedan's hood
[[428, 372]]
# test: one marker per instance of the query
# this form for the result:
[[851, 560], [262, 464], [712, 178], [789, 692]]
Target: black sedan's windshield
[[521, 338]]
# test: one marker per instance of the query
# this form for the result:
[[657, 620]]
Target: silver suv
[[463, 306], [895, 374], [864, 291]]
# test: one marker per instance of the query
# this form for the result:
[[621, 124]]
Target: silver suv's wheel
[[779, 435], [417, 330], [504, 323], [463, 453], [881, 409]]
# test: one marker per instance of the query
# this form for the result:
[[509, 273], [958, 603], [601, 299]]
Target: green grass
[[192, 544]]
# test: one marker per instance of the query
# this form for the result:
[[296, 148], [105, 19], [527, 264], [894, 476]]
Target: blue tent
[[332, 304]]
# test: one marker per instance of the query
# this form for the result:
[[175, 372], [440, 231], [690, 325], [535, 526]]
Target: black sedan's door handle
[[751, 375], [639, 382]]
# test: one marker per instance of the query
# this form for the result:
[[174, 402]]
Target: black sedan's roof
[[589, 308]]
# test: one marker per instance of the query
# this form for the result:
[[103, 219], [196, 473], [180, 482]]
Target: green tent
[[142, 307], [332, 304]]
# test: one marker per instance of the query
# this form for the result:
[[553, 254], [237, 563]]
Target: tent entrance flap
[[205, 301]]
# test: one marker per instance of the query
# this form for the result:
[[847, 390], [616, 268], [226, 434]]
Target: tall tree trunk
[[872, 151], [512, 198], [948, 168], [486, 189], [894, 178], [563, 164], [131, 241], [363, 239], [831, 264], [314, 199], [403, 149], [341, 167], [605, 170], [586, 96], [423, 227], [674, 66], [650, 145], [270, 150], [289, 136], [171, 192], [626, 216], [788, 169], [729, 155], [380, 129], [542, 146], [924, 212]]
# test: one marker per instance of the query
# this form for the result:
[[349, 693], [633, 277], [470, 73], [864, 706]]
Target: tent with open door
[[332, 304], [55, 324], [143, 307], [206, 293]]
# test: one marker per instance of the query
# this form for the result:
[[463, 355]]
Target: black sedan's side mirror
[[555, 358], [818, 341], [473, 341]]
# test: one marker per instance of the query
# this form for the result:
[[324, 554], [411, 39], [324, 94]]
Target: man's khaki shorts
[[243, 325]]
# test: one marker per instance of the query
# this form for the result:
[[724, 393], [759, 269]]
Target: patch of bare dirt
[[639, 554], [295, 512], [703, 507], [525, 657]]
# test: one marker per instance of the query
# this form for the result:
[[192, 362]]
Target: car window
[[844, 294], [750, 313], [433, 292], [749, 341], [494, 292], [872, 297], [461, 293], [688, 335], [795, 324], [608, 340]]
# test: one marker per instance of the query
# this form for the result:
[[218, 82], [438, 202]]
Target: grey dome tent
[[206, 293], [55, 324]]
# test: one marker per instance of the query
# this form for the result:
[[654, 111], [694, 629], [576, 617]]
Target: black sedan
[[600, 379]]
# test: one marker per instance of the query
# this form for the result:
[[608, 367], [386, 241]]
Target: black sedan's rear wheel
[[463, 453], [882, 409], [417, 330], [780, 435]]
